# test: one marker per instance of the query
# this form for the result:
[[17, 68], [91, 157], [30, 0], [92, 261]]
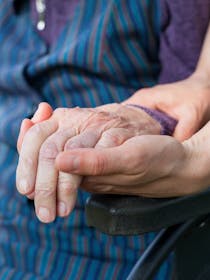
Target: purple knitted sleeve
[[167, 123]]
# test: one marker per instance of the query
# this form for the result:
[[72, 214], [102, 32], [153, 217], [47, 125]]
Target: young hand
[[188, 101]]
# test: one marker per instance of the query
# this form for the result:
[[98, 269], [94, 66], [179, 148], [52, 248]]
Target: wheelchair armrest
[[130, 215]]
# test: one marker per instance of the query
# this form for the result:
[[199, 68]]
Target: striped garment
[[107, 50]]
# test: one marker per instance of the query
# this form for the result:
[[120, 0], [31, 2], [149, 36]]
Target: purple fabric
[[56, 16], [183, 27], [183, 24], [167, 123]]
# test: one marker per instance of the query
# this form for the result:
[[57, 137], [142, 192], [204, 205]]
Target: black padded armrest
[[129, 215]]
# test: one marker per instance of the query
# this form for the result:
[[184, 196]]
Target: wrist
[[202, 76], [184, 174], [200, 81], [197, 160], [166, 122]]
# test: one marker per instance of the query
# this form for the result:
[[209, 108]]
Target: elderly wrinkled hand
[[67, 129]]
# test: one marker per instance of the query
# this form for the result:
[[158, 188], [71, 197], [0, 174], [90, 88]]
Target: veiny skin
[[66, 129], [150, 166]]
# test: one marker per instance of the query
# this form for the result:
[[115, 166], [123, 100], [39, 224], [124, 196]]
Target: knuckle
[[37, 129], [67, 184], [58, 111], [69, 145], [66, 188], [48, 151], [140, 170], [44, 193], [113, 138], [141, 91], [77, 109], [99, 166], [99, 117], [74, 143], [25, 163], [61, 111], [138, 164]]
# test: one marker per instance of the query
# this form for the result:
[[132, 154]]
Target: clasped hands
[[116, 149], [55, 147]]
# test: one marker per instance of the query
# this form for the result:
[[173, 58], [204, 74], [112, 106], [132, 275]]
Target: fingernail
[[44, 215], [23, 186], [62, 209]]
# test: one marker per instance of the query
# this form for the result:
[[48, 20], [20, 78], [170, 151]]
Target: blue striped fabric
[[106, 51]]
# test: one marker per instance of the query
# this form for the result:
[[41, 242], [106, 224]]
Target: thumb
[[93, 161]]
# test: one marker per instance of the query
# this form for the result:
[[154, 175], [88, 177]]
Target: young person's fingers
[[162, 187], [185, 128], [93, 161], [139, 159], [119, 179]]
